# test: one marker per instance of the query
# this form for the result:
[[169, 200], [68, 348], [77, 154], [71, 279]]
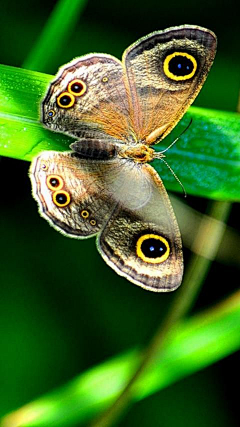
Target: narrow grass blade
[[57, 29]]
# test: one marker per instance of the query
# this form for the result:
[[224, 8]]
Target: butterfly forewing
[[165, 72], [99, 110]]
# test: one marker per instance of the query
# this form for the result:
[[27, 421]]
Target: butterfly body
[[105, 186]]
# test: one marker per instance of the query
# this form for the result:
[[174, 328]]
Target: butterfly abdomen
[[95, 149]]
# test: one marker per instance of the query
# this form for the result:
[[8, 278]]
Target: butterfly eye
[[51, 113], [180, 66], [77, 87], [61, 198], [54, 182], [65, 100], [152, 248]]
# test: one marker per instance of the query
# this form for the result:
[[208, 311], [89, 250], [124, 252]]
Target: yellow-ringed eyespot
[[105, 79], [44, 166], [51, 113], [61, 198], [92, 221], [180, 66], [84, 214], [77, 87], [152, 248], [65, 100], [54, 182]]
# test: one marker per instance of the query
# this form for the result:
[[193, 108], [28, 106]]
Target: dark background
[[62, 309]]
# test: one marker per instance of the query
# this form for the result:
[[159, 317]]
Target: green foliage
[[206, 158], [192, 345], [22, 134], [63, 312]]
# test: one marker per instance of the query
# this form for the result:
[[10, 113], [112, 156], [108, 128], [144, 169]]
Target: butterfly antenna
[[175, 176], [160, 156], [179, 136]]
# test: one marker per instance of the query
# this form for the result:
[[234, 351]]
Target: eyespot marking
[[65, 100], [61, 198], [54, 182], [93, 222], [105, 79], [84, 213], [152, 248], [51, 113], [44, 166], [180, 66], [77, 87]]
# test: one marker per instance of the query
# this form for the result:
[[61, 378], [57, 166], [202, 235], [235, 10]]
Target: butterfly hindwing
[[144, 244], [70, 194]]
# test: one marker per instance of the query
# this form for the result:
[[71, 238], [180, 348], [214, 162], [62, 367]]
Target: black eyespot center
[[54, 182], [77, 87], [65, 100], [180, 66], [152, 248], [61, 198]]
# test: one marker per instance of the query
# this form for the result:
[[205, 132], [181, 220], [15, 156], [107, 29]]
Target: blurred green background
[[62, 310]]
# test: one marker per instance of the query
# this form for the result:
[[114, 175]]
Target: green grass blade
[[22, 136], [206, 158], [58, 27], [192, 345]]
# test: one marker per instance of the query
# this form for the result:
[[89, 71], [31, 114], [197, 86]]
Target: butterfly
[[105, 185]]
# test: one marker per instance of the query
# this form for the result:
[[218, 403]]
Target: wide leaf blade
[[206, 158]]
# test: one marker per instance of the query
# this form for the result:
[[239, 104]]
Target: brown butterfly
[[105, 186]]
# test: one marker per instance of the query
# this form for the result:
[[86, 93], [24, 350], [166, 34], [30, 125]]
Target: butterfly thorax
[[140, 153]]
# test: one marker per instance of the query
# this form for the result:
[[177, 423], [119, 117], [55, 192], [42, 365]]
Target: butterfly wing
[[96, 96], [144, 244], [66, 192], [77, 196], [88, 99], [125, 203], [165, 71]]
